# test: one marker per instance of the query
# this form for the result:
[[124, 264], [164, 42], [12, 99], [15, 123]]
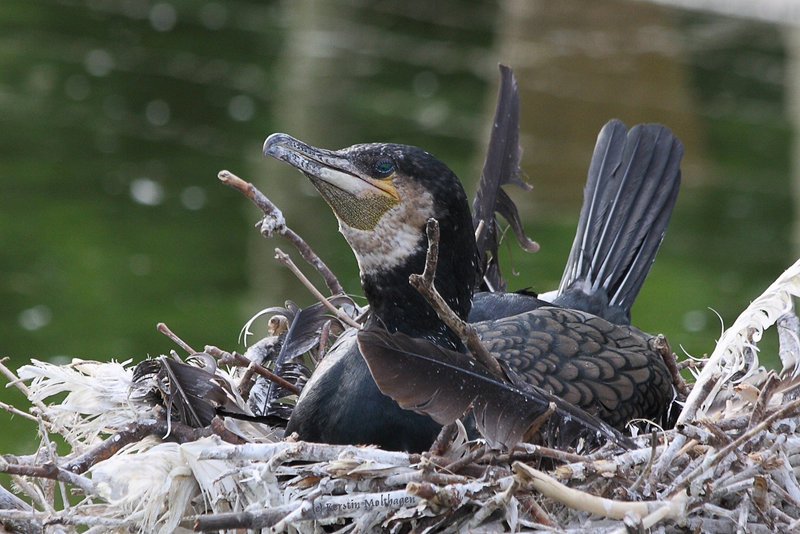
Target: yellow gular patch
[[361, 212], [398, 231]]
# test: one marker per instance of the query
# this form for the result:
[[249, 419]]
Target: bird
[[579, 344]]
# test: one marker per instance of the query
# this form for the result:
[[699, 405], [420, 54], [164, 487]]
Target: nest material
[[731, 463], [133, 465]]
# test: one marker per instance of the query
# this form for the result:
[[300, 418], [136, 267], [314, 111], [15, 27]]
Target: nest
[[137, 462]]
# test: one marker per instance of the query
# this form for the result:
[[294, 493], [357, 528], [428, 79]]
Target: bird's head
[[382, 195]]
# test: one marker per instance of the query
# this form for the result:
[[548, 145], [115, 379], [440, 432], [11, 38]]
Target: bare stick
[[324, 335], [551, 407], [16, 411], [234, 358], [275, 222], [424, 283], [659, 343], [784, 411], [580, 500], [646, 470], [284, 258], [133, 432], [470, 457], [161, 327], [14, 380], [536, 511], [529, 451], [443, 439]]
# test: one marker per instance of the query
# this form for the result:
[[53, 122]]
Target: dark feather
[[191, 394], [303, 335], [630, 191], [261, 352], [443, 384], [501, 167]]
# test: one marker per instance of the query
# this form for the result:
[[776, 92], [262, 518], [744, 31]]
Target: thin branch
[[424, 283], [580, 500], [324, 336], [443, 439], [134, 432], [785, 411], [529, 451], [50, 471], [661, 346], [275, 222], [470, 457], [646, 470], [539, 421], [161, 327], [16, 411], [234, 358], [284, 258], [14, 380]]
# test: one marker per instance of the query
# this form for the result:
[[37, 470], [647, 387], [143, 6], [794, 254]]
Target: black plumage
[[578, 347]]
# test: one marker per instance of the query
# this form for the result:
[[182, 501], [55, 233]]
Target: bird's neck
[[398, 306]]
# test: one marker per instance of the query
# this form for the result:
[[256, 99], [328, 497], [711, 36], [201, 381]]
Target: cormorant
[[580, 347]]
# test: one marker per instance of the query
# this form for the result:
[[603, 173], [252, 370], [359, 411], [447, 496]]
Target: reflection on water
[[117, 116]]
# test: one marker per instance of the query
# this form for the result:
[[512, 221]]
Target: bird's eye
[[384, 168]]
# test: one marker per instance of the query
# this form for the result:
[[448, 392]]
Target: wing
[[608, 370]]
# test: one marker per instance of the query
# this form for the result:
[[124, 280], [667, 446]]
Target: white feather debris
[[736, 353]]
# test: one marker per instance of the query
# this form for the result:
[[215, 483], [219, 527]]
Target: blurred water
[[117, 114]]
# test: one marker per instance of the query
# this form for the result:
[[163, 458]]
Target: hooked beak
[[332, 167], [358, 199]]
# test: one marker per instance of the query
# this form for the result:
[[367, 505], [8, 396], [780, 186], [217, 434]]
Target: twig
[[234, 358], [16, 411], [646, 470], [133, 432], [324, 336], [539, 421], [674, 508], [274, 222], [443, 439], [324, 507], [735, 444], [764, 396], [424, 283], [284, 258], [580, 500], [14, 380], [50, 471], [306, 451], [470, 457], [10, 502], [788, 327], [535, 452], [247, 382], [130, 433], [661, 346], [161, 327], [688, 364], [538, 513]]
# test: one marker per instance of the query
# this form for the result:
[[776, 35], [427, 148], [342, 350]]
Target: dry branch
[[424, 283], [284, 258], [236, 359], [274, 222]]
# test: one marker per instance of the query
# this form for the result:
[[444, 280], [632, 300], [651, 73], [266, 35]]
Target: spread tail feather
[[633, 182]]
